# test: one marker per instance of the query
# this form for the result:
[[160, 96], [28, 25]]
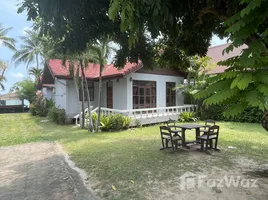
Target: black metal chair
[[208, 123], [167, 136], [173, 128], [211, 134]]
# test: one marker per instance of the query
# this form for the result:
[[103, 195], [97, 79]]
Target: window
[[91, 92], [170, 94], [144, 94]]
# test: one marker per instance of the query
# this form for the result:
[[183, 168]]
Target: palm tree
[[36, 73], [100, 53], [5, 40], [2, 79], [30, 50], [3, 67]]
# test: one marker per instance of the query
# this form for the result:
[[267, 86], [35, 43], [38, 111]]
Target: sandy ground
[[246, 180]]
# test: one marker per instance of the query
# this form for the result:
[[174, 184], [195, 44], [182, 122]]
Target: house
[[216, 53], [132, 90], [10, 103]]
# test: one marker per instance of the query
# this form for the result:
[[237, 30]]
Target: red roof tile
[[216, 54], [92, 72]]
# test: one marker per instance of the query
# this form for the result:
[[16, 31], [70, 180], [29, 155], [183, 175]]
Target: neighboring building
[[132, 87], [216, 53], [10, 102]]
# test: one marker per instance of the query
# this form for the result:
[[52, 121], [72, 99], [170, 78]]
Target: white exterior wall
[[61, 93], [160, 88], [120, 94], [48, 93]]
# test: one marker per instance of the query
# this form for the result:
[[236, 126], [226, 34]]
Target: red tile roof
[[216, 54], [92, 72]]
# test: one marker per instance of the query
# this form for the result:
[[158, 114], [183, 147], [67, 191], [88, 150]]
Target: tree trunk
[[37, 62], [77, 94], [82, 123], [265, 120], [100, 94], [90, 124]]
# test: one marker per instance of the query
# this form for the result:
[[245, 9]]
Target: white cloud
[[17, 75]]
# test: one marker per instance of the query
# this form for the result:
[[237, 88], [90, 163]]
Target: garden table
[[185, 127]]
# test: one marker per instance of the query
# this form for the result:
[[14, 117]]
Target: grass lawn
[[130, 160]]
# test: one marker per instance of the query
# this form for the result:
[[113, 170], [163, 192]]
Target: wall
[[61, 93], [48, 93], [160, 87], [120, 94]]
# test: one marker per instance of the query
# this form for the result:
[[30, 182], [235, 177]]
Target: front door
[[109, 95]]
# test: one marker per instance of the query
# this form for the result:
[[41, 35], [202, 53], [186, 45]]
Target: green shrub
[[33, 110], [251, 115], [41, 107], [113, 122], [187, 117], [57, 115]]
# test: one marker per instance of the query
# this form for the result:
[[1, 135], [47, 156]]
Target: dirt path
[[39, 171]]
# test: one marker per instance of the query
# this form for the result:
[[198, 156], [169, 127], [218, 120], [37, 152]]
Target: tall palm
[[5, 40], [100, 53], [3, 66], [30, 50], [2, 80], [36, 73]]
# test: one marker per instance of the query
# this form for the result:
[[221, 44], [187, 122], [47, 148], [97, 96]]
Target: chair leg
[[202, 145], [216, 143], [172, 144], [167, 143], [163, 145], [207, 144], [211, 144]]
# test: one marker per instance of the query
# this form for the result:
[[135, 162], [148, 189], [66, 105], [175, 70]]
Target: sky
[[19, 23]]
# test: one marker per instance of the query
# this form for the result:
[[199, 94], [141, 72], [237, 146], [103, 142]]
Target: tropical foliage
[[25, 90], [36, 73], [3, 67], [5, 40], [187, 117], [100, 53], [30, 50], [113, 122]]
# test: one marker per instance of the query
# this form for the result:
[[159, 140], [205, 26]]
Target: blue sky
[[19, 23]]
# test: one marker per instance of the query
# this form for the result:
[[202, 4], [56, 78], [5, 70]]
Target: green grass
[[116, 158]]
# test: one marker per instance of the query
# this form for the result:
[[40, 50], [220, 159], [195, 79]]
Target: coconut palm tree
[[2, 79], [30, 50], [100, 53], [3, 66], [36, 73], [5, 40]]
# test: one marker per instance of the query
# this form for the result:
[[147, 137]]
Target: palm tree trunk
[[37, 62], [100, 94], [82, 124], [90, 124]]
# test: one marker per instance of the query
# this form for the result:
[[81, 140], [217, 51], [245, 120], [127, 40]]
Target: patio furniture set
[[173, 136]]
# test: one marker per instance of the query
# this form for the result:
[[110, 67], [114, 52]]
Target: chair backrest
[[213, 130], [210, 122], [170, 122], [164, 130]]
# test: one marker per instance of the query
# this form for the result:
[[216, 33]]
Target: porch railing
[[146, 112], [149, 112]]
